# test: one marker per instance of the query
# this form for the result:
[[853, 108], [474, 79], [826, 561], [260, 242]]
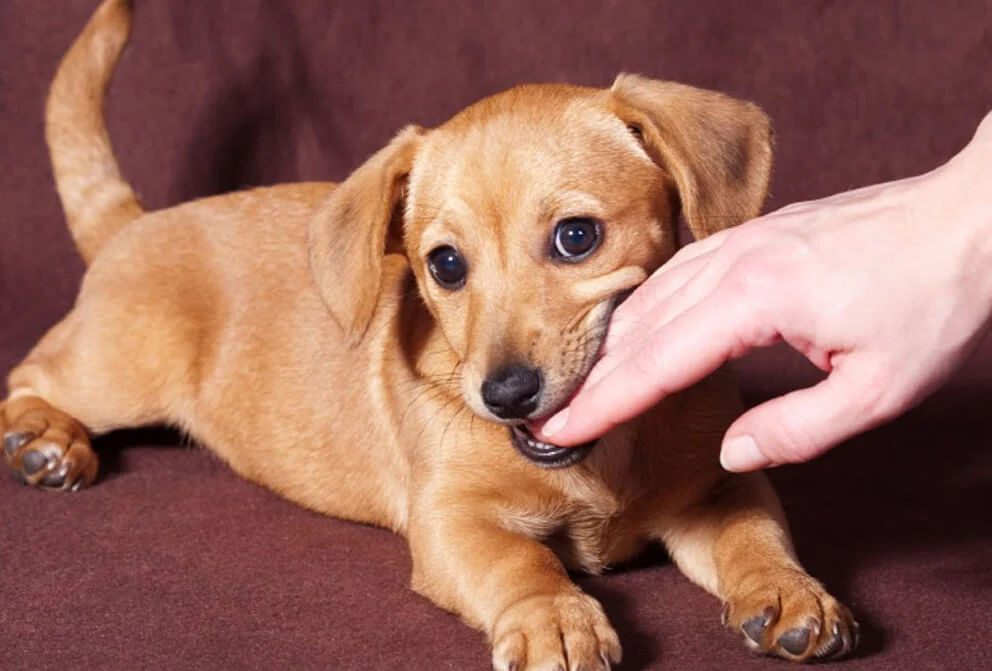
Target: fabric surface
[[173, 562]]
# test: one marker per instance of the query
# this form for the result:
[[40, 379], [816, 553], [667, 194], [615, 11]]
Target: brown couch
[[172, 562]]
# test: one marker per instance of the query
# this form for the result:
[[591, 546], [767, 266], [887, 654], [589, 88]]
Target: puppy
[[372, 350]]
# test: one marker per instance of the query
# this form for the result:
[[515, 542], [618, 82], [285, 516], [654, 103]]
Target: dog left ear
[[348, 235], [717, 149]]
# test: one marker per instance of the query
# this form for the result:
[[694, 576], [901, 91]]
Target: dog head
[[529, 215]]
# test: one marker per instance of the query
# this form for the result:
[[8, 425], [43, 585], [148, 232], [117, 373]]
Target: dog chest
[[585, 536]]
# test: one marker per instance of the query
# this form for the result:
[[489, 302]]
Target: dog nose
[[512, 392]]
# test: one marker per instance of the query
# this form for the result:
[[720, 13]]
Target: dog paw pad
[[795, 641], [755, 627], [33, 461], [15, 440]]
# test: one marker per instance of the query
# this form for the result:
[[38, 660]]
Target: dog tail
[[97, 201]]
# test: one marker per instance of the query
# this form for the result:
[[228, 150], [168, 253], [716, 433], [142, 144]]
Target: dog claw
[[55, 478], [841, 642], [835, 646]]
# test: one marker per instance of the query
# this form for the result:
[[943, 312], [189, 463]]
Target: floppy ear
[[717, 149], [347, 237]]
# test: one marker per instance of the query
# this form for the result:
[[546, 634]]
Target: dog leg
[[512, 587], [71, 385], [736, 545]]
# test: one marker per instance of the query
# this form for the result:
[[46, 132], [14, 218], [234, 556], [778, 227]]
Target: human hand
[[887, 289]]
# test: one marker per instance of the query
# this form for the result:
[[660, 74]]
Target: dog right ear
[[347, 237], [718, 150]]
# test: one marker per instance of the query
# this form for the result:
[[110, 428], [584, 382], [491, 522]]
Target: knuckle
[[772, 275], [753, 283], [745, 238], [643, 298], [748, 241]]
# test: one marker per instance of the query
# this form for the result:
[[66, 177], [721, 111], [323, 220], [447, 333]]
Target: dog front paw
[[45, 447], [786, 613], [561, 632]]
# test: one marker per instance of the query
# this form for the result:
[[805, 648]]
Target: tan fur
[[97, 200], [295, 332]]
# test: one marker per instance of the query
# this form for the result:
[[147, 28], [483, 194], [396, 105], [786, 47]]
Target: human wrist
[[959, 194], [980, 186]]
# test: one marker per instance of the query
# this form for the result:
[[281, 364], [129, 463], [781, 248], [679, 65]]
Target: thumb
[[798, 426]]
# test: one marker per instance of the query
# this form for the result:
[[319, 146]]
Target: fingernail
[[742, 454], [555, 424]]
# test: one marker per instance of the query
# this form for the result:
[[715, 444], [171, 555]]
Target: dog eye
[[447, 267], [575, 238]]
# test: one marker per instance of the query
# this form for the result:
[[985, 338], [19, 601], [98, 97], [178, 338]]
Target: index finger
[[670, 358]]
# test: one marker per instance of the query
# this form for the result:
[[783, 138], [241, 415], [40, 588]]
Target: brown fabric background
[[173, 562]]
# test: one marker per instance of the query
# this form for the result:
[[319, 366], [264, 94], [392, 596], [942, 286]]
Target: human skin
[[887, 289]]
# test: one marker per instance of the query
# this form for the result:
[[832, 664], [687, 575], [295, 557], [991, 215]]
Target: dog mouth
[[544, 454], [548, 455]]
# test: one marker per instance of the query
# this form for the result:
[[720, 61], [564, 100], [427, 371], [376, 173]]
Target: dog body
[[239, 333], [371, 349]]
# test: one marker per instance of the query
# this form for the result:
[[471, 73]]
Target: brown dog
[[372, 350]]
